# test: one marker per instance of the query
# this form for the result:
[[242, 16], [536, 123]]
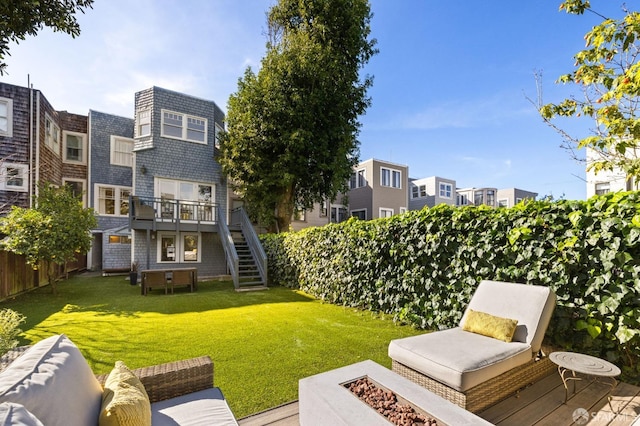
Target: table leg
[[562, 371]]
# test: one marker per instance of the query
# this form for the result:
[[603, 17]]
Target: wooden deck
[[539, 404]]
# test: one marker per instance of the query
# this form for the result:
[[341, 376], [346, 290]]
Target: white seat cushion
[[458, 358], [12, 414], [203, 408], [54, 382]]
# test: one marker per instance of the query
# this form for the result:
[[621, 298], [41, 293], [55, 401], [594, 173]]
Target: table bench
[[168, 279]]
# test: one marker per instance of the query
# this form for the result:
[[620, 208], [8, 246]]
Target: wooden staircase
[[248, 273]]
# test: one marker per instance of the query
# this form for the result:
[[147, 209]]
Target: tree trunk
[[51, 277], [284, 210]]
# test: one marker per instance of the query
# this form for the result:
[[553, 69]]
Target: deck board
[[539, 404]]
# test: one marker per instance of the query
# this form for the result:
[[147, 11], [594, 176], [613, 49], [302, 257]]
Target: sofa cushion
[[202, 408], [458, 358], [125, 401], [12, 414], [490, 325], [54, 382], [531, 305]]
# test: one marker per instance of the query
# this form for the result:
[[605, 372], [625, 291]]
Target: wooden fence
[[16, 276]]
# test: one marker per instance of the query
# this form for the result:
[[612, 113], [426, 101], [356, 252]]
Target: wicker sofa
[[51, 383], [475, 371]]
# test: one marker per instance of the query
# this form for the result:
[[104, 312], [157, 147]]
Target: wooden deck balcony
[[161, 214], [539, 404]]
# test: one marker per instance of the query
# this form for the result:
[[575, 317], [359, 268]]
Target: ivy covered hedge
[[423, 266]]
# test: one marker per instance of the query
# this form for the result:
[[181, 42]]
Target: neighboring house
[[431, 191], [39, 144], [378, 189], [476, 196], [320, 215], [607, 180], [176, 175], [512, 196]]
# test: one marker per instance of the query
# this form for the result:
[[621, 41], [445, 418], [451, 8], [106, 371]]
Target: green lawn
[[261, 342]]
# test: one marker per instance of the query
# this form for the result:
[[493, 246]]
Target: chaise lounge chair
[[474, 370]]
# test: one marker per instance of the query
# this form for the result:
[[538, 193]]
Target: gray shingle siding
[[101, 127], [115, 256]]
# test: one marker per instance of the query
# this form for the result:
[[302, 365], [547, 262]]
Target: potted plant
[[133, 274]]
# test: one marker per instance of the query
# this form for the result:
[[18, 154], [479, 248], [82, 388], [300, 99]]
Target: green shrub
[[423, 266], [9, 329]]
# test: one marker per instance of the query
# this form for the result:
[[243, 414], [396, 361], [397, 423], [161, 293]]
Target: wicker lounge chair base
[[487, 393]]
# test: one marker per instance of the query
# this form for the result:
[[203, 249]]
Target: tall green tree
[[608, 75], [19, 18], [292, 128], [52, 233]]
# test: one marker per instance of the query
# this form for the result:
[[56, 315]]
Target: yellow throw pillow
[[124, 401], [490, 325]]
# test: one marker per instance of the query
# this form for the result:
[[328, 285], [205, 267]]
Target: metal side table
[[571, 362]]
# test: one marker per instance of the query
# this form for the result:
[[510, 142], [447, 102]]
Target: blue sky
[[450, 88]]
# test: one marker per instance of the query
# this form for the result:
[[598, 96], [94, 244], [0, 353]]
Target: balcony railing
[[169, 210]]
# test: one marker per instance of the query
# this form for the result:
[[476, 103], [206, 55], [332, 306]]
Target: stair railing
[[253, 242], [233, 261]]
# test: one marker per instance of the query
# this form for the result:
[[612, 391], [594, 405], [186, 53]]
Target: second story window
[[390, 178], [181, 126], [51, 135], [75, 147], [6, 117], [144, 123], [113, 200], [121, 151], [14, 177], [445, 190], [358, 179]]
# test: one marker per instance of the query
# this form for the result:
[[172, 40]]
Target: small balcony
[[162, 214]]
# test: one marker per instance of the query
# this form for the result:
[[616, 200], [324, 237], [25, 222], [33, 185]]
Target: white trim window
[[51, 135], [390, 178], [446, 190], [338, 213], [603, 188], [358, 179], [176, 125], [74, 147], [174, 247], [196, 199], [78, 188], [112, 200], [218, 133], [121, 151], [360, 214], [143, 127], [402, 210], [6, 117], [418, 191], [385, 212], [14, 177], [503, 202]]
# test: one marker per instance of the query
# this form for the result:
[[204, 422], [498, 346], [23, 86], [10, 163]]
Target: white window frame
[[23, 173], [184, 127], [84, 188], [358, 179], [8, 102], [382, 212], [115, 155], [445, 188], [402, 210], [503, 202], [118, 199], [391, 176], [218, 131], [351, 213], [518, 200], [51, 134], [335, 213], [143, 118], [83, 148], [179, 247]]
